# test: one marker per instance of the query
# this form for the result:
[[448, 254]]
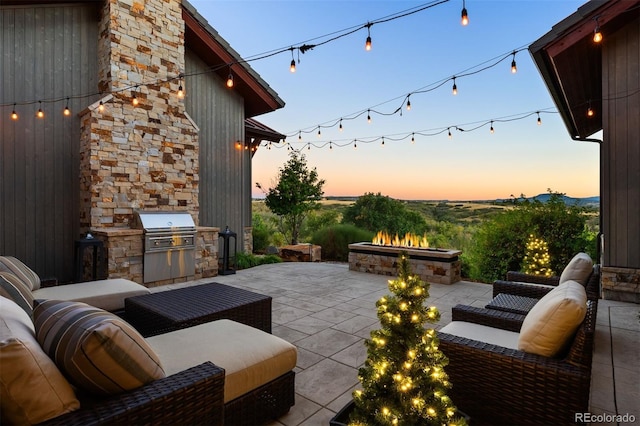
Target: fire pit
[[434, 265]]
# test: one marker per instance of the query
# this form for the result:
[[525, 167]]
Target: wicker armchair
[[520, 284], [193, 396], [496, 385]]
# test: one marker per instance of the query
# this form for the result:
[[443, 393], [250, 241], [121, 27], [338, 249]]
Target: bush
[[500, 242], [335, 240], [261, 234], [249, 260]]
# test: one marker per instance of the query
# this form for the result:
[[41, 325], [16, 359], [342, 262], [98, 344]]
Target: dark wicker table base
[[159, 313], [511, 303]]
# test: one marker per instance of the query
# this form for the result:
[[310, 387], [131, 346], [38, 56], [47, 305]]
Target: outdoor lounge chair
[[496, 383]]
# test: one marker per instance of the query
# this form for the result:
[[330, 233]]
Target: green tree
[[377, 212], [403, 379], [296, 193], [536, 259]]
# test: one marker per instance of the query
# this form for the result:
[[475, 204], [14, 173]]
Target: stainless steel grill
[[169, 244]]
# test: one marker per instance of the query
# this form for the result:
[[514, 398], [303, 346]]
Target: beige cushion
[[22, 271], [482, 333], [104, 294], [552, 321], [13, 288], [578, 269], [95, 349], [32, 389], [250, 357]]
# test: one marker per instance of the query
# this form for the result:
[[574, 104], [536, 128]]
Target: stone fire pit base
[[441, 266]]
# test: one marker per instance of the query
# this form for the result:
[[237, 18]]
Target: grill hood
[[156, 221]]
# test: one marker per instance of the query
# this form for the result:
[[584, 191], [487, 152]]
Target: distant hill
[[583, 202]]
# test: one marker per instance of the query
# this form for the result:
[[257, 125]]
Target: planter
[[342, 417]]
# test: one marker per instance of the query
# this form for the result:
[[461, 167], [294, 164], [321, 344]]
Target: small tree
[[296, 193], [536, 258], [403, 379]]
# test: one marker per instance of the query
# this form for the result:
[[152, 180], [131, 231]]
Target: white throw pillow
[[578, 269], [553, 320]]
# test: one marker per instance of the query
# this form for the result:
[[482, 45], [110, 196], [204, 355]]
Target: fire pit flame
[[410, 240]]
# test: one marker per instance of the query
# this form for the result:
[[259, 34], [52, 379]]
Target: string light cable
[[398, 137]]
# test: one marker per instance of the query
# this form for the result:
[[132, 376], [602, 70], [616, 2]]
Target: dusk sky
[[419, 52]]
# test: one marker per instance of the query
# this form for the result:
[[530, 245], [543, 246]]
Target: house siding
[[46, 52], [225, 170], [621, 150]]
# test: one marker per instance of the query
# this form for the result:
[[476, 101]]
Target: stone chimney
[[144, 156]]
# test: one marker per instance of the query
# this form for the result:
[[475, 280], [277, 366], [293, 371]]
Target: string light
[[319, 133], [539, 119], [597, 34], [413, 138], [14, 114], [382, 144], [180, 89], [67, 111], [292, 67], [454, 89], [514, 68], [368, 116], [449, 133], [464, 15], [101, 107], [340, 128], [134, 99], [367, 44], [408, 103], [590, 111], [299, 136], [491, 129], [355, 146], [230, 80], [40, 113]]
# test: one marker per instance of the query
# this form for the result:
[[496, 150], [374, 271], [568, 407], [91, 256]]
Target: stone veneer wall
[[145, 156], [432, 271], [125, 254], [621, 284], [247, 240]]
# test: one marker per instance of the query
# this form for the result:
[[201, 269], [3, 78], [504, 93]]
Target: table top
[[195, 301]]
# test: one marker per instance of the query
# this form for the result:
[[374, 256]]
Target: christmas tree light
[[403, 379]]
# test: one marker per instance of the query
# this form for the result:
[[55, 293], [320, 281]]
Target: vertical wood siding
[[46, 52], [225, 171], [621, 150]]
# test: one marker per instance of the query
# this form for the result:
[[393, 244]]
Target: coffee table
[[165, 311], [512, 303]]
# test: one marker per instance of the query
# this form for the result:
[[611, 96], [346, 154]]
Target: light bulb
[[597, 34], [449, 133], [408, 105], [367, 45], [340, 127], [134, 99], [14, 114], [454, 89], [180, 92], [514, 68], [465, 16], [382, 144], [230, 81], [319, 133], [368, 116], [101, 107], [413, 139], [491, 129], [67, 111], [590, 112], [40, 113], [292, 68], [539, 119]]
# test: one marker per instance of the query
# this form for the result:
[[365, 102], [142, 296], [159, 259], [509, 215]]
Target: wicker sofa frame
[[496, 385], [194, 396], [519, 284]]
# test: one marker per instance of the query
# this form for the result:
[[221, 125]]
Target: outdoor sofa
[[105, 294], [532, 369], [66, 362]]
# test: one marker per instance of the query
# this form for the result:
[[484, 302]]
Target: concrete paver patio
[[327, 311]]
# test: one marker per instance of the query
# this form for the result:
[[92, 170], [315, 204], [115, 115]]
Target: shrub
[[249, 260], [335, 240], [261, 234], [500, 242]]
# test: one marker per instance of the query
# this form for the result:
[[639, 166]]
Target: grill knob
[[157, 243]]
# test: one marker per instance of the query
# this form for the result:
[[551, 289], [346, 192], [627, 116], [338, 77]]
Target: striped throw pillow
[[20, 270], [14, 289], [95, 350]]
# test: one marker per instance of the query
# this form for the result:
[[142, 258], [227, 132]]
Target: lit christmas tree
[[536, 259], [403, 379]]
